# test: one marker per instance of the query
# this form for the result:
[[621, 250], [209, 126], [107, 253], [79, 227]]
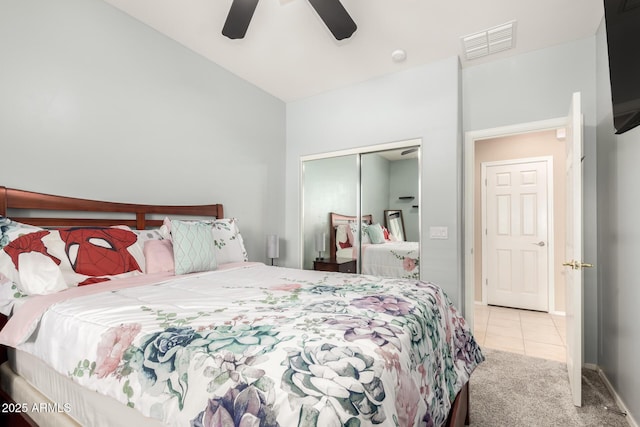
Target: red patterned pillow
[[50, 260], [342, 237], [344, 245]]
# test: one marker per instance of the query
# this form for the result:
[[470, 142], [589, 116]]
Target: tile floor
[[531, 333]]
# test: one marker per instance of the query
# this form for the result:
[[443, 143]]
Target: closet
[[374, 182]]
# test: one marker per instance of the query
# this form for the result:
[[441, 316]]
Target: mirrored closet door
[[329, 185], [361, 212]]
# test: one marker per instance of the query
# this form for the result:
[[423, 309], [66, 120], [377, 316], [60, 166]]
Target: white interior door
[[573, 250], [516, 233]]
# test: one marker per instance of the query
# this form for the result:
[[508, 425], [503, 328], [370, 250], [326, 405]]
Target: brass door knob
[[576, 265]]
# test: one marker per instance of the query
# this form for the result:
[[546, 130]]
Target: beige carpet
[[513, 390]]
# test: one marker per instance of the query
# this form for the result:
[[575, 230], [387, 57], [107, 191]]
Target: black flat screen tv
[[622, 20]]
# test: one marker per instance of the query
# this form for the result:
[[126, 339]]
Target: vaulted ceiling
[[290, 53]]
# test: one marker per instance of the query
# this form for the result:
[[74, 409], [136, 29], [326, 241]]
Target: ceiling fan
[[332, 13]]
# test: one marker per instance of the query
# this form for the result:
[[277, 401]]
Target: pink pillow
[[158, 256]]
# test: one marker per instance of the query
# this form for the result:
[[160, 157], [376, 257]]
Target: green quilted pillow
[[375, 233], [193, 247]]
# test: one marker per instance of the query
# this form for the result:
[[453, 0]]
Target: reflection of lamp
[[273, 247], [321, 244]]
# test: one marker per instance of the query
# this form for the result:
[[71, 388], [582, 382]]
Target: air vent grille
[[492, 40]]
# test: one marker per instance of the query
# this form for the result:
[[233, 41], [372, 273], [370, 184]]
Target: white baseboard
[[632, 422], [591, 366]]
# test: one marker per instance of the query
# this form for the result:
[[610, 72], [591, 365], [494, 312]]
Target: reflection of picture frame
[[394, 222]]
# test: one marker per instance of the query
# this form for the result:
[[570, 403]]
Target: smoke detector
[[491, 40], [398, 55]]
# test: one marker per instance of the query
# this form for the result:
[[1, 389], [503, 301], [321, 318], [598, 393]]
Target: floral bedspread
[[392, 259], [267, 346]]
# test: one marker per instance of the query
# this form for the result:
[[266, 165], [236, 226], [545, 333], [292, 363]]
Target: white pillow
[[353, 231], [9, 295], [39, 275], [228, 241]]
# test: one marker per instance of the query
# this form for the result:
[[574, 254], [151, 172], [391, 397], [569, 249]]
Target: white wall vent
[[492, 40]]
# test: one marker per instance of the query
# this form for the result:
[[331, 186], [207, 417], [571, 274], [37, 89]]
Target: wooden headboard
[[46, 210], [61, 211], [337, 219]]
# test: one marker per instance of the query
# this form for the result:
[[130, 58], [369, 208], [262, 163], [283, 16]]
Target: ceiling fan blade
[[335, 17], [238, 19], [409, 151]]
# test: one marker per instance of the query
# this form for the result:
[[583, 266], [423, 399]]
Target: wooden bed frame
[[139, 216], [49, 211]]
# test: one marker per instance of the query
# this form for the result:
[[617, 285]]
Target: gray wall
[[375, 186], [95, 104], [422, 102], [619, 250], [538, 86], [405, 181], [330, 185]]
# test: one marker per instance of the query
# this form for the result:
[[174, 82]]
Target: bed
[[383, 256], [235, 344]]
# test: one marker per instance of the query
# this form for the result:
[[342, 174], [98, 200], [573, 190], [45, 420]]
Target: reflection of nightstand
[[343, 265]]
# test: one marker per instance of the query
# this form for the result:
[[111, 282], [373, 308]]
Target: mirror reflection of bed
[[381, 252], [380, 181]]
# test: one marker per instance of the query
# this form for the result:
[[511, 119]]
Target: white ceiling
[[289, 53]]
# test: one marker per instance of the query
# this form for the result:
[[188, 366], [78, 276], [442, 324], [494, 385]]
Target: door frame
[[550, 224], [470, 139]]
